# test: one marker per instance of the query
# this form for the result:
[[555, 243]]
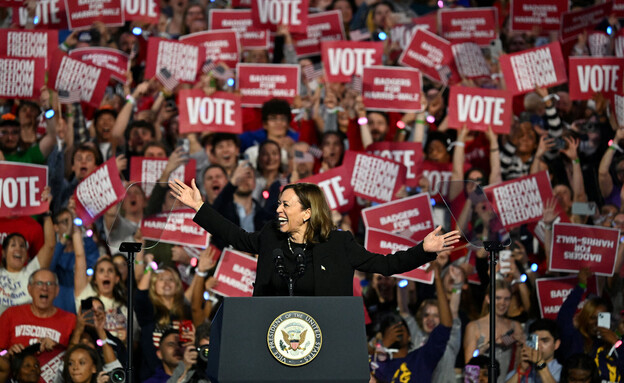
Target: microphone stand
[[131, 248], [493, 247]]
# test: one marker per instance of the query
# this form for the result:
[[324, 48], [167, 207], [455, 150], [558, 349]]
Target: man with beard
[[170, 353], [11, 142]]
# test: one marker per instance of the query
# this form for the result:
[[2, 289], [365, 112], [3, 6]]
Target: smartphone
[[86, 304], [604, 320], [532, 342], [505, 262], [185, 327], [90, 317], [171, 104], [584, 208], [559, 143], [184, 143]]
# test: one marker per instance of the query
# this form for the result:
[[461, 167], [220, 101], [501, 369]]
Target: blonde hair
[[312, 197], [163, 314]]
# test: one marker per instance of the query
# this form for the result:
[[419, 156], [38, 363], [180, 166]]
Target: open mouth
[[106, 283], [282, 221]]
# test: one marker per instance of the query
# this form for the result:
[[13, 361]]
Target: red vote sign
[[147, 171], [100, 191], [21, 188], [239, 20], [18, 43], [51, 15], [479, 108], [68, 74], [391, 89], [269, 14], [531, 68], [382, 242], [591, 75], [409, 154], [141, 10], [374, 178], [344, 59], [235, 274], [112, 59], [83, 13], [408, 217], [428, 52], [219, 112], [322, 26], [219, 46], [470, 61], [576, 246], [462, 25], [552, 292], [181, 60], [258, 83], [336, 187], [176, 227], [575, 22], [21, 78], [526, 14]]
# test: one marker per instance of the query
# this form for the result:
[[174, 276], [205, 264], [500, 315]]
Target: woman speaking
[[302, 246]]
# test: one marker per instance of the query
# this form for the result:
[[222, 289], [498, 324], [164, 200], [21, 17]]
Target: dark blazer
[[334, 260]]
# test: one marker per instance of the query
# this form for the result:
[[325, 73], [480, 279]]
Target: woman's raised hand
[[434, 242], [190, 196]]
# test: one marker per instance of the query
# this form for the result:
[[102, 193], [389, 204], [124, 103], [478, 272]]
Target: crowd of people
[[63, 287]]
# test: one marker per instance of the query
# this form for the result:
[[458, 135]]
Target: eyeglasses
[[45, 283]]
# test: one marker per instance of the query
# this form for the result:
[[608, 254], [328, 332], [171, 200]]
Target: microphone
[[300, 259], [278, 259]]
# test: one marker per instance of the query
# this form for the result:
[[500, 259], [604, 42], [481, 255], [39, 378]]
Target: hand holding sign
[[434, 242]]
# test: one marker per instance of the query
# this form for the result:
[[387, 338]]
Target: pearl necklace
[[305, 244]]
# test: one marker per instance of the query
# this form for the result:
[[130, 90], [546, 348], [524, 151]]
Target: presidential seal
[[294, 338]]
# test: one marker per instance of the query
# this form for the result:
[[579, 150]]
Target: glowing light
[[193, 262], [230, 82], [89, 233], [77, 221], [362, 121], [610, 142], [523, 278], [382, 36], [206, 295], [402, 283], [154, 265], [475, 353], [36, 20], [609, 30], [99, 342], [621, 239], [3, 352], [265, 194], [430, 119], [433, 202], [534, 267], [616, 345], [49, 113], [137, 31], [401, 125], [440, 4], [89, 271]]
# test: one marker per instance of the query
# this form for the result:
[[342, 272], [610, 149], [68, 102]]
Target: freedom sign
[[345, 59], [181, 60], [470, 61], [577, 246], [21, 77], [526, 14], [520, 201], [21, 188], [176, 227], [219, 46], [269, 14], [240, 21], [146, 11], [82, 14], [322, 26], [391, 89], [147, 171], [409, 154], [382, 242], [409, 217], [235, 274], [591, 75], [68, 74], [258, 83], [374, 178], [219, 112], [478, 108], [427, 52], [462, 25], [114, 60], [552, 292], [18, 43], [100, 191], [531, 68], [51, 15], [575, 22], [336, 187]]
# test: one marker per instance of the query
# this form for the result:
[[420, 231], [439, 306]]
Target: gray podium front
[[247, 332]]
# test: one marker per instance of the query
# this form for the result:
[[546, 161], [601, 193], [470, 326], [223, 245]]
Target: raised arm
[[496, 174], [48, 100], [121, 123], [206, 262], [458, 164], [80, 265], [446, 319], [45, 254]]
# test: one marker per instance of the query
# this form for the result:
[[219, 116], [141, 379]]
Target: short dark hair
[[100, 112], [165, 334], [156, 144], [214, 166], [202, 332], [142, 124], [219, 137], [276, 106], [88, 147], [581, 362], [544, 324]]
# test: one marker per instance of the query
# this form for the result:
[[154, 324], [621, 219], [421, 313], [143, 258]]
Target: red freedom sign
[[374, 178], [591, 75], [219, 46], [575, 22], [147, 171], [427, 52], [83, 13], [409, 217], [235, 274], [470, 61], [21, 187], [176, 227], [240, 21], [17, 43], [462, 25], [526, 14], [68, 74], [479, 108], [269, 14], [100, 191], [323, 26], [258, 83], [112, 59], [51, 14], [21, 77], [336, 187], [552, 292], [577, 246], [344, 59], [520, 201], [409, 154], [181, 60], [141, 10], [382, 242], [531, 68], [391, 88], [219, 112]]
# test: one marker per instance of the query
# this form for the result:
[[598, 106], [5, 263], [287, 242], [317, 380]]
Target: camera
[[117, 375], [202, 352]]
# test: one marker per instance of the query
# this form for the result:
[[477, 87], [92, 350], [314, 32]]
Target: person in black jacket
[[302, 244]]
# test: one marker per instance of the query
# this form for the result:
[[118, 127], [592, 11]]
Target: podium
[[246, 332]]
